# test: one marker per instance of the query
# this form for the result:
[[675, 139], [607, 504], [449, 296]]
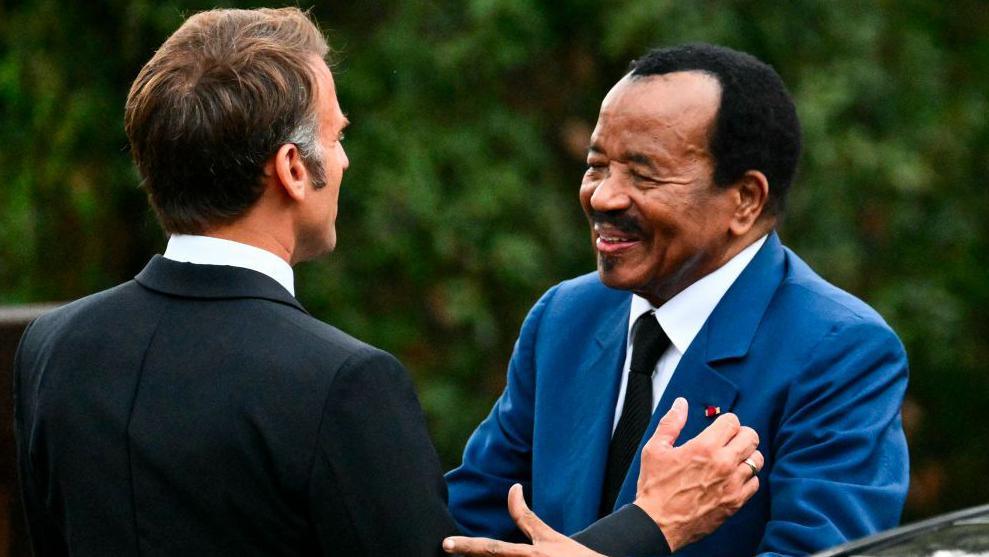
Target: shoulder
[[586, 294], [571, 310], [575, 304], [354, 355], [310, 334], [587, 287], [267, 334], [264, 339], [827, 318], [822, 302], [115, 306]]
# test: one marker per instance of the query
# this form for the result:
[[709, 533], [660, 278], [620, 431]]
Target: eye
[[642, 178], [595, 171]]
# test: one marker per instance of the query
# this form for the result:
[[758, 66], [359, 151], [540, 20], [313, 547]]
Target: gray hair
[[305, 138]]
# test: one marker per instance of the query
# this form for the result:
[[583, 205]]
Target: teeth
[[612, 236]]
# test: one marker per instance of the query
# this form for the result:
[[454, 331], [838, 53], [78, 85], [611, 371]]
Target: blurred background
[[470, 124]]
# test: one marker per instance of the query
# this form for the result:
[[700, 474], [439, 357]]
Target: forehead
[[667, 108], [326, 92]]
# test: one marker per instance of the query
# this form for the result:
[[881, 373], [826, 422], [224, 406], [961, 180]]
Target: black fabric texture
[[648, 344], [628, 532], [199, 410]]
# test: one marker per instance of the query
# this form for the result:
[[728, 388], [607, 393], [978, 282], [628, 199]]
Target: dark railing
[[13, 535]]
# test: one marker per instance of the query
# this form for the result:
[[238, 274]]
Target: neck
[[762, 227], [702, 264], [257, 236]]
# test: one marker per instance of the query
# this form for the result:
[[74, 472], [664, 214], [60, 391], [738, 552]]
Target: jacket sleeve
[[840, 464], [627, 531], [499, 452], [46, 537], [376, 486]]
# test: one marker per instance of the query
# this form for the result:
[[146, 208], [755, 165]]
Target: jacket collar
[[733, 324], [729, 330], [190, 280]]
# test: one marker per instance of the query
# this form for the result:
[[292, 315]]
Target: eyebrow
[[639, 158]]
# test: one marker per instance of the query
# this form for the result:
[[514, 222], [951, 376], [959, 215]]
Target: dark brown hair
[[214, 103]]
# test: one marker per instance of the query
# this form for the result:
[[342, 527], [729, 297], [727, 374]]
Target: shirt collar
[[683, 315], [207, 250]]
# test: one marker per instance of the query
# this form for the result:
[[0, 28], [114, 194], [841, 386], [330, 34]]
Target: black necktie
[[648, 344]]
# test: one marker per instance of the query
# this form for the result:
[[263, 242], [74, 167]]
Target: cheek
[[665, 217], [334, 203], [679, 211], [586, 191]]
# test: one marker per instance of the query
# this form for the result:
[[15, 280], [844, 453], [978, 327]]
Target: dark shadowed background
[[470, 124]]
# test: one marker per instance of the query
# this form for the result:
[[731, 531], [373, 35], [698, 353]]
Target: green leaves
[[460, 208]]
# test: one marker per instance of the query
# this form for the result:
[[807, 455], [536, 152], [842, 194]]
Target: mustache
[[620, 220]]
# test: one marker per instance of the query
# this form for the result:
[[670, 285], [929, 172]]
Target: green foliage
[[460, 208]]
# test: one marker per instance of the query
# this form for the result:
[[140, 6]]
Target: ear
[[290, 172], [752, 192]]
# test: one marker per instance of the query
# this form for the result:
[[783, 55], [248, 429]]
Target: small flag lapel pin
[[712, 411]]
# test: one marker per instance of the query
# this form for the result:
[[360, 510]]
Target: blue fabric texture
[[814, 370]]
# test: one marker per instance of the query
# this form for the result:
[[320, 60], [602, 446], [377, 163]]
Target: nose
[[610, 195], [345, 161]]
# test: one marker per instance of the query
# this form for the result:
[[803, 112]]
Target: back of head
[[756, 127], [214, 103]]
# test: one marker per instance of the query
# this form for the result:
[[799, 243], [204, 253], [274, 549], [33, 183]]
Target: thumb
[[670, 425], [527, 521]]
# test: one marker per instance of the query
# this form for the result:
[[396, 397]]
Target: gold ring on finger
[[750, 464]]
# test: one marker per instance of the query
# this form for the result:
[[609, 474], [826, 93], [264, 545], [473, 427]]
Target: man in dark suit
[[198, 409], [688, 169]]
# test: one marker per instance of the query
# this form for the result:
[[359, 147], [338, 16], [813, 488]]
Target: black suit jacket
[[199, 410]]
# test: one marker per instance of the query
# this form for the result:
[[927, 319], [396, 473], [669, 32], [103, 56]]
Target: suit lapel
[[727, 335], [589, 413], [735, 320]]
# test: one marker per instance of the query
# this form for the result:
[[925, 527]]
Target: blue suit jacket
[[814, 370]]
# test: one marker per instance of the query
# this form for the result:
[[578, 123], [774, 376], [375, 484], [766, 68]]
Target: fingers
[[720, 432], [524, 518], [743, 443], [748, 490], [670, 425], [485, 547], [527, 521], [757, 459], [744, 472]]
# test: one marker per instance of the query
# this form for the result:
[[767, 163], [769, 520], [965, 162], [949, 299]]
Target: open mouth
[[610, 240]]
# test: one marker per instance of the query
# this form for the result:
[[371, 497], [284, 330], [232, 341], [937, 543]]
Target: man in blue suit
[[688, 170]]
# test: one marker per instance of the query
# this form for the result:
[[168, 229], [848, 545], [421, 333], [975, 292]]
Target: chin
[[612, 275], [325, 248], [314, 250]]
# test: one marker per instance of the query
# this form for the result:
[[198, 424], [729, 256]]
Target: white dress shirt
[[682, 317], [206, 250]]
